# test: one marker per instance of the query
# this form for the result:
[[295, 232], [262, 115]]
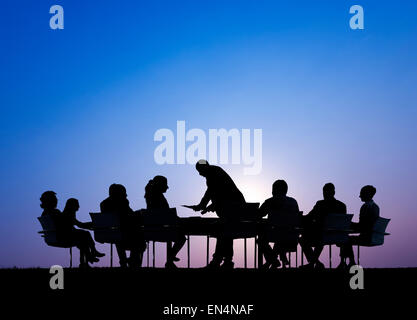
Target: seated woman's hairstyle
[[71, 205], [157, 184]]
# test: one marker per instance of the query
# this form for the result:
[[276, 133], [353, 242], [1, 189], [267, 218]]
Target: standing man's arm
[[205, 200], [264, 209]]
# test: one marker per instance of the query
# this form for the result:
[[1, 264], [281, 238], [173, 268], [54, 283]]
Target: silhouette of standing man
[[225, 199]]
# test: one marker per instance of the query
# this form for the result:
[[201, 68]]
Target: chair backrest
[[283, 229], [284, 220], [336, 228], [106, 227], [378, 231], [337, 222], [159, 216], [160, 224], [47, 223], [49, 229]]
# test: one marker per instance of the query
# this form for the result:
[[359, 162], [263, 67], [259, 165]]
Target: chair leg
[[302, 257], [245, 247], [208, 250], [70, 257], [296, 257], [358, 256], [188, 251], [147, 253], [169, 246], [330, 256], [260, 257], [153, 254], [111, 255]]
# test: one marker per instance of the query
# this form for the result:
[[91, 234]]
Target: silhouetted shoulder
[[216, 170], [320, 203], [292, 200], [51, 212], [341, 206], [104, 205]]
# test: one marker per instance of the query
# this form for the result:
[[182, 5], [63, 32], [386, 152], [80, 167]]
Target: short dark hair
[[280, 186], [369, 190], [329, 186], [47, 197]]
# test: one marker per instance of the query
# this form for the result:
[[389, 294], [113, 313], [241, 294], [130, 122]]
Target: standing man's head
[[329, 191], [202, 167], [72, 205], [279, 188], [48, 200], [367, 193]]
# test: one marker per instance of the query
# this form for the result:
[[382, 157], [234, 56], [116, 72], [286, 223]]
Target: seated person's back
[[117, 202], [279, 203], [369, 211], [49, 203], [154, 193], [322, 208]]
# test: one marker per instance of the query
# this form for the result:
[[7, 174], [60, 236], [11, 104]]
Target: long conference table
[[240, 229], [213, 227]]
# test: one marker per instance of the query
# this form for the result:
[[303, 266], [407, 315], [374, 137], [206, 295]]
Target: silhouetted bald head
[[329, 191], [202, 166], [279, 188]]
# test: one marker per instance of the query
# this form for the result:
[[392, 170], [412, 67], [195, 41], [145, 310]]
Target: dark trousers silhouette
[[175, 248], [312, 250], [83, 241], [224, 242], [135, 258], [271, 254], [135, 243], [224, 249]]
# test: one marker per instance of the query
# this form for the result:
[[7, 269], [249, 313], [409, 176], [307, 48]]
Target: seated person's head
[[159, 184], [279, 188], [329, 191], [72, 205], [48, 200], [367, 193], [202, 166], [117, 191]]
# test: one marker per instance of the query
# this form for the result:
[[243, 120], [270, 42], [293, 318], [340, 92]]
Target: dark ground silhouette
[[136, 293]]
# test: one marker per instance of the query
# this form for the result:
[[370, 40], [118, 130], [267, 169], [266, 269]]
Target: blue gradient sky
[[80, 106]]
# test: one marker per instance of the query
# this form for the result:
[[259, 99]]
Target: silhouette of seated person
[[313, 224], [118, 204], [369, 213], [69, 222], [64, 224], [155, 199], [226, 199], [278, 205]]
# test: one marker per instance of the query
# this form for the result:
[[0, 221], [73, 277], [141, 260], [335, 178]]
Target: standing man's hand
[[210, 208], [195, 208]]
